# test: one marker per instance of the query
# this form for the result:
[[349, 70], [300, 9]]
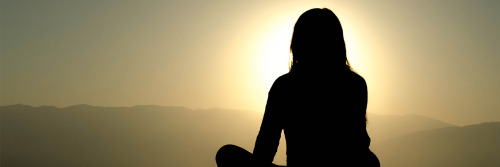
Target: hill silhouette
[[381, 127], [84, 135], [473, 145], [148, 135]]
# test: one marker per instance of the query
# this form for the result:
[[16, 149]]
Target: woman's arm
[[363, 99], [269, 135]]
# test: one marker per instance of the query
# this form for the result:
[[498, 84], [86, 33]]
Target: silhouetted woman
[[320, 104]]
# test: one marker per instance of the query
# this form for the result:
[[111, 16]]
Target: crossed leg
[[233, 156]]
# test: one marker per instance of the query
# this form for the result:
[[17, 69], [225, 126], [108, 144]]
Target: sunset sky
[[439, 59]]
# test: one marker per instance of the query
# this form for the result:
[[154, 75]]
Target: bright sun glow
[[353, 54], [275, 52]]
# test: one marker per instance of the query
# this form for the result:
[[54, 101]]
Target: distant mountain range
[[381, 127], [473, 145], [84, 135]]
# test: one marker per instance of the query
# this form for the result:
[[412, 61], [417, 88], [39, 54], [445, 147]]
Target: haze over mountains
[[381, 127], [84, 135], [472, 145]]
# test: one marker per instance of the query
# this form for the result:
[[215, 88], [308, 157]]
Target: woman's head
[[318, 41]]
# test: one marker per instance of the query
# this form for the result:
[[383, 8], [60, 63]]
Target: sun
[[353, 52], [275, 53]]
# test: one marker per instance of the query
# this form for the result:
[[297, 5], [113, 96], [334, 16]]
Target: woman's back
[[323, 117]]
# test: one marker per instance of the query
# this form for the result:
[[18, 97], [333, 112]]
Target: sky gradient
[[437, 59]]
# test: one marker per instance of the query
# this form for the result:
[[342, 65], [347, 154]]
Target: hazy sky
[[439, 59]]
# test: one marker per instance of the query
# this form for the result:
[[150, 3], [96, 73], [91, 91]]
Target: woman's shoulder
[[289, 78], [283, 79], [281, 82], [358, 78], [358, 83]]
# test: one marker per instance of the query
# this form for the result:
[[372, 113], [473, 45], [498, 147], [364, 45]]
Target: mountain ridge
[[471, 145], [149, 135], [152, 105]]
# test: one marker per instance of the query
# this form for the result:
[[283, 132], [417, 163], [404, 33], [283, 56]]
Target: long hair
[[318, 43], [318, 39]]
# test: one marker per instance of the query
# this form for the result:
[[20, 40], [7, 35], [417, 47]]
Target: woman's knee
[[228, 147], [223, 151], [226, 150], [232, 154]]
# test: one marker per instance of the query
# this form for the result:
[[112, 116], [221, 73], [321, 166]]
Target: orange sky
[[436, 59]]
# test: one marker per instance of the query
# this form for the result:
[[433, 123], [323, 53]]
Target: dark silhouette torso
[[322, 116]]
